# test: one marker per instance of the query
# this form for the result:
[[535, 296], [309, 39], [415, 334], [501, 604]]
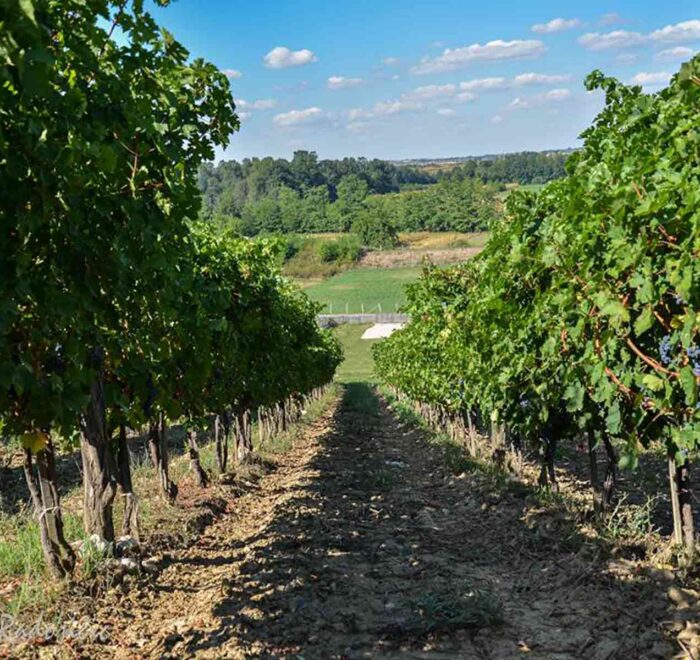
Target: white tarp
[[381, 330]]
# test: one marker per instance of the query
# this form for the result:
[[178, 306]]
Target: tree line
[[118, 309], [307, 195], [581, 318], [450, 205], [524, 168], [229, 186]]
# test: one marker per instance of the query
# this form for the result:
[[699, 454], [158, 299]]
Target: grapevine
[[582, 315]]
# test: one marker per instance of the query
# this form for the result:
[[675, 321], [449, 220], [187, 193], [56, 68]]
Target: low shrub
[[346, 249]]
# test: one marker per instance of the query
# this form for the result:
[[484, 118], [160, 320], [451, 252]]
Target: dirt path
[[363, 544]]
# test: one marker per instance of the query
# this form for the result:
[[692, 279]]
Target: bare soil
[[361, 542], [412, 257]]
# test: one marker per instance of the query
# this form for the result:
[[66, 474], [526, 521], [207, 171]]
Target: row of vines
[[117, 311], [581, 318]]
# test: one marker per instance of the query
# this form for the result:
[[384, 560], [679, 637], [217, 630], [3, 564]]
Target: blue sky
[[413, 78]]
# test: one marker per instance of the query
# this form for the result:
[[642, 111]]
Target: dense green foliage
[[523, 168], [307, 195], [99, 221], [238, 190], [374, 228], [463, 205], [459, 205], [97, 179], [346, 249], [114, 307], [582, 314]]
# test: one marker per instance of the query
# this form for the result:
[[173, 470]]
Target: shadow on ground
[[376, 549]]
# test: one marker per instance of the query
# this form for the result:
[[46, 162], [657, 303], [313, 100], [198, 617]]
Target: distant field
[[442, 248], [526, 187], [433, 240], [407, 258], [436, 168], [358, 365], [531, 187], [364, 289], [423, 239]]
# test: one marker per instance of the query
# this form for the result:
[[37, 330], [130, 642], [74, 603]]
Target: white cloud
[[261, 104], [390, 61], [297, 117], [427, 96], [488, 84], [685, 31], [459, 58], [386, 108], [446, 112], [518, 103], [556, 25], [282, 58], [464, 97], [496, 119], [610, 18], [340, 82], [438, 93], [358, 126], [430, 92], [648, 79], [677, 53], [244, 116], [356, 113], [614, 39], [539, 79], [232, 73], [557, 94], [552, 96], [483, 84]]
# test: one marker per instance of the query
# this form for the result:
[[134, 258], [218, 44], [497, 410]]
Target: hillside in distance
[[457, 160]]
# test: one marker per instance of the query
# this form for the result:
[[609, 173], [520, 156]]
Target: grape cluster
[[665, 350], [693, 353]]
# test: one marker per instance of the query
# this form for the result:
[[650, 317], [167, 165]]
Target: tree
[[375, 230], [100, 143], [262, 216], [581, 315], [314, 209], [351, 194], [291, 209], [305, 169]]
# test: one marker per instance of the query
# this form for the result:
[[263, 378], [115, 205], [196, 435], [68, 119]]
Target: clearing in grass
[[366, 290], [358, 365]]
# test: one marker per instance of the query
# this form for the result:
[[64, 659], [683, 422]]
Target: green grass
[[26, 588], [358, 365], [458, 607], [531, 187], [360, 398], [364, 289], [22, 560]]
